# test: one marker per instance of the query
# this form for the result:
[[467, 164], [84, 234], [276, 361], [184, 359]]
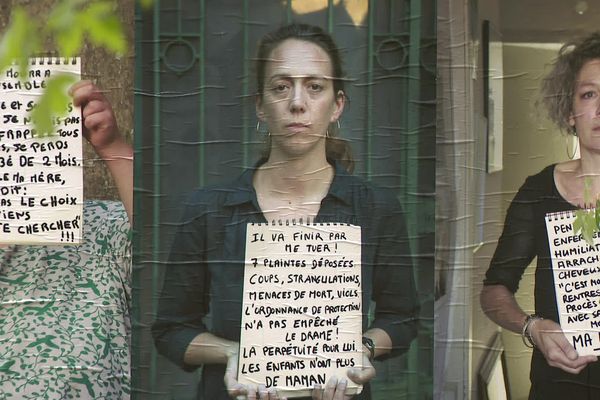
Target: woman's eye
[[315, 87], [588, 95], [280, 88]]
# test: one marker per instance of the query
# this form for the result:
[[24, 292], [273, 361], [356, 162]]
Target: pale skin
[[298, 105], [496, 300], [101, 131]]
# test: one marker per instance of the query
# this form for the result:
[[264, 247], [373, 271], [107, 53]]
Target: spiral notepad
[[41, 180], [576, 269], [302, 305]]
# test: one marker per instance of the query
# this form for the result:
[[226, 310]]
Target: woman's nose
[[298, 100]]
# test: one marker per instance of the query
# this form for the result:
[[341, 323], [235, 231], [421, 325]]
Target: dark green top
[[206, 266]]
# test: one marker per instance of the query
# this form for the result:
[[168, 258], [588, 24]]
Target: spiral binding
[[299, 222], [560, 215], [53, 60]]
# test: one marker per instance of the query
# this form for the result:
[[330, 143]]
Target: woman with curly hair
[[571, 95]]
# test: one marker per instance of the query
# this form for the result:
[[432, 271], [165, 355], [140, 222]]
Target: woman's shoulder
[[542, 180], [369, 193], [219, 194], [567, 169], [538, 187], [114, 208], [106, 224], [546, 178], [209, 193]]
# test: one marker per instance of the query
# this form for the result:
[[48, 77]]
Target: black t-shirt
[[523, 238]]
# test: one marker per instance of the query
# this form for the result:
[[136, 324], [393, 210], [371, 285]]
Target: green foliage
[[53, 102], [19, 41], [71, 20], [68, 33], [587, 221], [146, 3], [67, 24], [103, 27]]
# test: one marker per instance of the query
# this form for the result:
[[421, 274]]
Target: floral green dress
[[64, 313]]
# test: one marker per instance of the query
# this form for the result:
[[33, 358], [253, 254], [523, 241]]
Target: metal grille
[[195, 125]]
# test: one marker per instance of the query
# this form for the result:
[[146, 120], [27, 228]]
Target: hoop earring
[[339, 127], [268, 134], [574, 149]]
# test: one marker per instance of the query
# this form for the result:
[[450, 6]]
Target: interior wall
[[548, 21], [454, 149], [462, 331], [531, 142], [467, 234], [486, 204]]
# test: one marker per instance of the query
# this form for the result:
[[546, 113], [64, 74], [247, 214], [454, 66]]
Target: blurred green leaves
[[587, 221], [68, 33], [52, 103], [67, 25], [146, 3], [103, 27], [72, 20], [19, 41]]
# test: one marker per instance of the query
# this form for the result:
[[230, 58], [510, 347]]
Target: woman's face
[[298, 101], [585, 117]]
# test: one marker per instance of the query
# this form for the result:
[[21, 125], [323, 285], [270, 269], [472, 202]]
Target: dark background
[[195, 124]]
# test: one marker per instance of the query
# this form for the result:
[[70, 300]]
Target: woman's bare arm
[[100, 129], [500, 306]]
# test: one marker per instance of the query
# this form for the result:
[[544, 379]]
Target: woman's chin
[[299, 145]]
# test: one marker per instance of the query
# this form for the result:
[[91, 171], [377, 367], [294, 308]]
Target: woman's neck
[[589, 164], [578, 181], [589, 172], [295, 178], [292, 188]]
